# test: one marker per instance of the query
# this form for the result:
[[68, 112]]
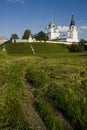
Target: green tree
[[14, 36], [41, 36], [82, 41], [26, 34]]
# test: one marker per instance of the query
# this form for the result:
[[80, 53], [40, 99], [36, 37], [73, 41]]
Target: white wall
[[19, 40]]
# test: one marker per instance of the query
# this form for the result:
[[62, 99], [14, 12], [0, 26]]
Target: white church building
[[54, 34]]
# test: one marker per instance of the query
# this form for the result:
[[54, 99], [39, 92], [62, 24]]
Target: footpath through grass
[[59, 80], [12, 115], [61, 85]]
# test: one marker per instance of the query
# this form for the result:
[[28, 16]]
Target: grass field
[[56, 88], [40, 48]]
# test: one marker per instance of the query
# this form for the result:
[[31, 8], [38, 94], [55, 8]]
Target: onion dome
[[51, 25]]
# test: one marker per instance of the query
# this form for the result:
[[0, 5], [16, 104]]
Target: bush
[[76, 47]]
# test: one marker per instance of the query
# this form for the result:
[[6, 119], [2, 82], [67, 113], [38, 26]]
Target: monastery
[[52, 31]]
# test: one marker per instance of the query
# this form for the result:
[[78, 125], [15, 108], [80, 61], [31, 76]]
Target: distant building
[[31, 39], [54, 34], [52, 31], [72, 34], [3, 39]]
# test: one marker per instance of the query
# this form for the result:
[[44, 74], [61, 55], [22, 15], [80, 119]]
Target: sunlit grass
[[58, 76]]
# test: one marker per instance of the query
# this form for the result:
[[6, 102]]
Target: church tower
[[72, 32], [52, 31]]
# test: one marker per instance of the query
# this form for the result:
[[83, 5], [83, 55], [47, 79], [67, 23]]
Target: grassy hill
[[40, 48], [18, 48], [49, 48], [43, 91]]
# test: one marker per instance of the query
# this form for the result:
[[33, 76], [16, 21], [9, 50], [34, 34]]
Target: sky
[[18, 15]]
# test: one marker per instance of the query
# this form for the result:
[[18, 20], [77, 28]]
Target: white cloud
[[15, 1], [82, 32], [63, 29], [83, 28]]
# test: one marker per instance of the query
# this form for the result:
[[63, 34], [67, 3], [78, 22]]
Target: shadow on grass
[[83, 55]]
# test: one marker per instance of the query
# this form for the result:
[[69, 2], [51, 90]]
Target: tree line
[[39, 36]]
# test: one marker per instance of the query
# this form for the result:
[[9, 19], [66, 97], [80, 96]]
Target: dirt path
[[33, 117], [66, 124]]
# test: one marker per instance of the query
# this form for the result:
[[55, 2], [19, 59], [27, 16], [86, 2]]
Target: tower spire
[[72, 21]]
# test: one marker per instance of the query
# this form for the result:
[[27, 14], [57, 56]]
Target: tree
[[82, 41], [41, 36], [26, 34], [14, 36]]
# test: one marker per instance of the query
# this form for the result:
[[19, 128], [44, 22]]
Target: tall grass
[[60, 81], [12, 115], [65, 88]]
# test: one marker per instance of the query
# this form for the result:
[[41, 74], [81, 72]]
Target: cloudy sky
[[18, 15]]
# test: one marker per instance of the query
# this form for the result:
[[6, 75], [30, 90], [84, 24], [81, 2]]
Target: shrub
[[76, 47]]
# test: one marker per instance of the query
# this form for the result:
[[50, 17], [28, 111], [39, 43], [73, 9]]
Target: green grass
[[12, 115], [46, 50], [41, 49], [58, 77], [49, 48], [66, 88], [20, 49]]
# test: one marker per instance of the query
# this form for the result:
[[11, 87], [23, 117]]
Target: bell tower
[[72, 32]]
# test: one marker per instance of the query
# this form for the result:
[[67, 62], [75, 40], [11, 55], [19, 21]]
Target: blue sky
[[18, 15]]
